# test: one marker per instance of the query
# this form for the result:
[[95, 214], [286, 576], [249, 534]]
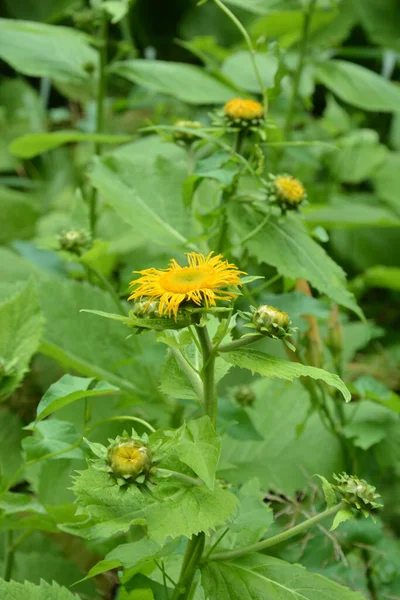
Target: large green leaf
[[33, 144], [19, 210], [272, 366], [147, 195], [27, 591], [359, 86], [358, 157], [52, 436], [381, 20], [41, 50], [186, 82], [286, 245], [265, 578], [20, 331], [69, 389], [259, 7], [347, 213], [171, 510], [238, 67], [387, 181]]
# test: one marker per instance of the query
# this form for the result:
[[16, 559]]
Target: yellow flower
[[289, 189], [130, 458], [243, 109], [200, 281]]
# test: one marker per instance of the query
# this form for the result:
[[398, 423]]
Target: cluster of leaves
[[96, 180]]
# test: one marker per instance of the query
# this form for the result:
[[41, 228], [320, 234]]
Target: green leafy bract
[[265, 577], [271, 366], [27, 591]]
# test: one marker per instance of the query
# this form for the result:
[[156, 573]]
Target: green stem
[[208, 375], [125, 29], [103, 30], [194, 551], [299, 70], [186, 479], [280, 537], [193, 377], [252, 52], [110, 289], [8, 556], [243, 341]]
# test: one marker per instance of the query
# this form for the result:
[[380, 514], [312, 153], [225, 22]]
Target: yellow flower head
[[199, 282], [129, 458], [244, 110], [289, 189]]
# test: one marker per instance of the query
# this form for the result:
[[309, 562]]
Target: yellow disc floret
[[130, 458], [199, 282], [243, 109], [290, 189]]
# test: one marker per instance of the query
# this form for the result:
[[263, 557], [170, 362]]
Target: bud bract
[[357, 493], [271, 321]]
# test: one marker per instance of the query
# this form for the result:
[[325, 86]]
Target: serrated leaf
[[20, 329], [33, 144], [171, 510], [329, 492], [147, 194], [286, 244], [52, 436], [199, 447], [27, 591], [343, 515], [272, 366], [261, 577], [69, 389], [186, 82], [127, 556]]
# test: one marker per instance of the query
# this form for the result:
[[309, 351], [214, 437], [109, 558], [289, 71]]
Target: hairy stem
[[191, 560], [193, 377], [8, 556], [208, 375], [281, 537], [249, 44], [299, 70], [103, 31], [243, 341]]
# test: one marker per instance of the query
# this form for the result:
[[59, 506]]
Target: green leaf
[[147, 195], [253, 519], [264, 577], [52, 436], [171, 510], [387, 181], [329, 492], [20, 211], [358, 157], [272, 366], [369, 388], [41, 50], [381, 20], [185, 82], [239, 68], [381, 276], [259, 7], [199, 447], [346, 213], [369, 425], [11, 435], [343, 515], [69, 389], [128, 556], [20, 330], [27, 591], [359, 86], [33, 144], [286, 245]]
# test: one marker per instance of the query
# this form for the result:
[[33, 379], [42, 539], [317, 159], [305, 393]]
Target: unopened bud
[[245, 396], [129, 459], [286, 191], [271, 321], [147, 309], [75, 240], [357, 493], [186, 136]]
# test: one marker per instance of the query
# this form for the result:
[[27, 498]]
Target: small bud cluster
[[286, 191], [245, 396], [185, 136], [357, 493], [75, 241]]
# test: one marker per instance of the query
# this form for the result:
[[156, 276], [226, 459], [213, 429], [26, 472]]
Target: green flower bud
[[357, 493], [146, 309], [286, 191], [271, 321], [184, 136], [245, 396], [75, 240], [129, 459]]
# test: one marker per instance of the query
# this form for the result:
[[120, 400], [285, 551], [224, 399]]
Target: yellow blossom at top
[[200, 281], [240, 108], [289, 189]]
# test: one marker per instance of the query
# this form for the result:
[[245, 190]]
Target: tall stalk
[[299, 69], [101, 88]]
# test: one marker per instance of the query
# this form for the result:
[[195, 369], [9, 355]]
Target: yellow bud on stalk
[[243, 113], [129, 459], [286, 191]]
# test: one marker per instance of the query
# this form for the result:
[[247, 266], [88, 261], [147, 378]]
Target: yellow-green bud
[[147, 309], [271, 321], [286, 191], [245, 396], [357, 493], [129, 459]]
